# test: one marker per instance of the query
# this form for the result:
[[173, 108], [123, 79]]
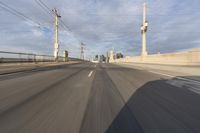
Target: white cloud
[[102, 24]]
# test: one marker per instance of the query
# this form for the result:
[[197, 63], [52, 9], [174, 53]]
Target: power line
[[17, 13], [65, 26], [43, 7], [13, 13], [49, 11]]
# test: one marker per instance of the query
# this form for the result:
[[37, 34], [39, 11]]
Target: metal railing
[[15, 57]]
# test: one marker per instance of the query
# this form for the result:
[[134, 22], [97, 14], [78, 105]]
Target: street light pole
[[144, 30]]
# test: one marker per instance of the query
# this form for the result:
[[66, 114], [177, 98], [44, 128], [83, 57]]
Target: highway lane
[[50, 101], [159, 103], [97, 98]]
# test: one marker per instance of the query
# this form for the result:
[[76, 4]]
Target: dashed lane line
[[90, 74]]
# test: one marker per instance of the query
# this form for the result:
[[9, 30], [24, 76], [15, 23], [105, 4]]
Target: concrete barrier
[[8, 68], [170, 69], [188, 58]]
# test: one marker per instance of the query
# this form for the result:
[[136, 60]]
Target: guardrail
[[14, 57]]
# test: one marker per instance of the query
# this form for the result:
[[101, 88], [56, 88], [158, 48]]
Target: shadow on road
[[160, 107]]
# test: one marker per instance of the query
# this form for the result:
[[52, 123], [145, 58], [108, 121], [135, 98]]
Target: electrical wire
[[17, 13], [64, 26], [43, 7]]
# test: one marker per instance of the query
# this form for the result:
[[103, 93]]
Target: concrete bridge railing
[[188, 58], [14, 57]]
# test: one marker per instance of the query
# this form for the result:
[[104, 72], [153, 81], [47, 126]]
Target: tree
[[119, 55]]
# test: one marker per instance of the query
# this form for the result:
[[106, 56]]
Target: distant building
[[107, 57], [119, 55], [111, 56], [102, 58]]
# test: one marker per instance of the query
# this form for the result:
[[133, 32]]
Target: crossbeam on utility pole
[[56, 39], [144, 30]]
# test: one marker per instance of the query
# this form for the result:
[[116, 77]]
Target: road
[[98, 98]]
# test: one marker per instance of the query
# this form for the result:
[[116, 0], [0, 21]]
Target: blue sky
[[102, 25]]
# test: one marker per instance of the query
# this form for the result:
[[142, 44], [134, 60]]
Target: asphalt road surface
[[98, 98]]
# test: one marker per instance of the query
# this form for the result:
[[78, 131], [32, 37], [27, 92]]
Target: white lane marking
[[163, 74], [186, 79], [90, 74]]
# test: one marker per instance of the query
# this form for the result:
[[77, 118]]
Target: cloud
[[102, 25]]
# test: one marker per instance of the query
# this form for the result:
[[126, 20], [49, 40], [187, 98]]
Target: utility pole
[[82, 51], [144, 30], [56, 40]]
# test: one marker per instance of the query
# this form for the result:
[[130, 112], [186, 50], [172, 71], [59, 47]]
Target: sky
[[102, 25]]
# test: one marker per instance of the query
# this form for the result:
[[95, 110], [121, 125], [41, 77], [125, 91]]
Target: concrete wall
[[167, 69], [188, 58]]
